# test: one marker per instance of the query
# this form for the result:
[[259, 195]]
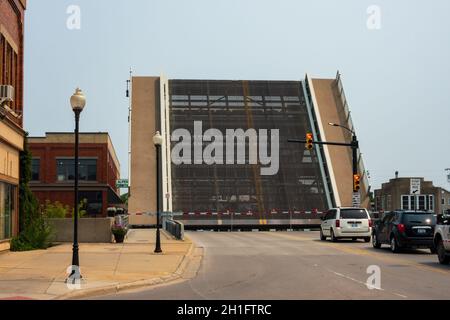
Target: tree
[[35, 233], [28, 204], [124, 198]]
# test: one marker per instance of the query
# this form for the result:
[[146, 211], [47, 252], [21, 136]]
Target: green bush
[[35, 236], [54, 210], [35, 233], [81, 209]]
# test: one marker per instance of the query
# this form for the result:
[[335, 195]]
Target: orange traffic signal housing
[[309, 141], [356, 182]]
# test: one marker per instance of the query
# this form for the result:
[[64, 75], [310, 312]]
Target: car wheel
[[322, 236], [333, 238], [375, 243], [433, 250], [394, 245], [367, 239], [443, 258]]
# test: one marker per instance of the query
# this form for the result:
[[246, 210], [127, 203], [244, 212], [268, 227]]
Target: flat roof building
[[53, 170], [411, 193], [226, 146]]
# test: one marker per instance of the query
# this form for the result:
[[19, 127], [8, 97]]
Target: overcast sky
[[397, 78]]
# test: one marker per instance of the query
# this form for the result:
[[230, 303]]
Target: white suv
[[352, 223], [442, 238]]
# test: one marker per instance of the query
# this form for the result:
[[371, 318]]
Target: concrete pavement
[[297, 265], [106, 268]]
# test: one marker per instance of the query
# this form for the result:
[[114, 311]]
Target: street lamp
[[355, 146], [158, 141], [77, 101]]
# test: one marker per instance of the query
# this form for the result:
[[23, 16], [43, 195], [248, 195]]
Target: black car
[[405, 229]]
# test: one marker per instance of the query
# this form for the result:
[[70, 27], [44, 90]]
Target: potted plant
[[119, 232]]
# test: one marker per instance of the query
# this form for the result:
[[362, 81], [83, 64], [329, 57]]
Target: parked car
[[405, 229], [351, 223], [442, 238]]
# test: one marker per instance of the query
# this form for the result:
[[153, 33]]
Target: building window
[[420, 202], [35, 169], [93, 202], [405, 202], [7, 209], [449, 201], [87, 170], [9, 68], [430, 204]]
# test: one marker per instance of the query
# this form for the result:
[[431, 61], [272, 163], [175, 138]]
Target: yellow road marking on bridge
[[363, 252]]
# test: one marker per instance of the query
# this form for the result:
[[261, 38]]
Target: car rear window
[[353, 214], [419, 218]]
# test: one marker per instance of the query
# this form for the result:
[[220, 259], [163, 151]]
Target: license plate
[[421, 231], [354, 225]]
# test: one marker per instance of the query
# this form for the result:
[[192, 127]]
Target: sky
[[395, 64]]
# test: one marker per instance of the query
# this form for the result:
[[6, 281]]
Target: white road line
[[364, 284]]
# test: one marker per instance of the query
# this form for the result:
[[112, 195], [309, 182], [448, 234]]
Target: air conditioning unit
[[6, 93]]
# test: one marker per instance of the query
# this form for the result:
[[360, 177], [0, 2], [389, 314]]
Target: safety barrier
[[175, 228]]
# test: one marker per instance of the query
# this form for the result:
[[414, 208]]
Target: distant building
[[12, 16], [411, 194], [307, 181], [53, 170]]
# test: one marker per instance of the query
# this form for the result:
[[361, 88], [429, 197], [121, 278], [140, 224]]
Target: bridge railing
[[175, 228]]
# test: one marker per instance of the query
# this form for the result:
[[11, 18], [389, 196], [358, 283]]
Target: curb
[[111, 289]]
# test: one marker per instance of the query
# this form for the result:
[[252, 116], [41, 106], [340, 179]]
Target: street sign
[[356, 200], [415, 186], [122, 183]]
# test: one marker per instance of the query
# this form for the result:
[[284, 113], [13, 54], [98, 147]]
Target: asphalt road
[[296, 265]]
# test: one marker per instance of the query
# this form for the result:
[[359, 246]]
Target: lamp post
[[158, 141], [77, 101], [354, 146]]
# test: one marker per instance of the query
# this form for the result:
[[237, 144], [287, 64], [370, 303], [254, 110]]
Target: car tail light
[[401, 227], [338, 223], [370, 223]]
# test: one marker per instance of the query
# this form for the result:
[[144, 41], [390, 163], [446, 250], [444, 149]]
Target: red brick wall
[[12, 14], [48, 153], [107, 173]]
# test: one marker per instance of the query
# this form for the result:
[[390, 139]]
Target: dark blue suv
[[405, 229]]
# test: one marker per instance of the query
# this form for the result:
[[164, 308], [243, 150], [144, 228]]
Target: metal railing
[[175, 228], [351, 126]]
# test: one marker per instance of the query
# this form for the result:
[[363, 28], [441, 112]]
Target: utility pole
[[354, 144], [129, 83]]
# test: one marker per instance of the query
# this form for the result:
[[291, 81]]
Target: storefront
[[8, 210]]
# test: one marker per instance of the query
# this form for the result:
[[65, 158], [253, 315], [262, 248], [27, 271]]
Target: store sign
[[414, 186], [122, 183]]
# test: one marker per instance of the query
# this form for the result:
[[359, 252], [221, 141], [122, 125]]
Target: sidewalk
[[106, 268]]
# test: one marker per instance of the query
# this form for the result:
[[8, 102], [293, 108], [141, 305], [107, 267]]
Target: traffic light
[[356, 182], [309, 141]]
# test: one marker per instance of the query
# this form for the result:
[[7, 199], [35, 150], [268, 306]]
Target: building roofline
[[99, 133]]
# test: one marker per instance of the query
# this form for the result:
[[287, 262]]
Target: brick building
[[53, 170], [12, 14], [411, 194]]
